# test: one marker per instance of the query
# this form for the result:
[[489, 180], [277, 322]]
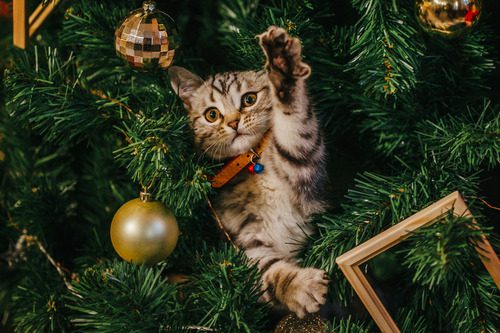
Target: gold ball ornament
[[312, 323], [448, 18], [147, 39], [144, 231]]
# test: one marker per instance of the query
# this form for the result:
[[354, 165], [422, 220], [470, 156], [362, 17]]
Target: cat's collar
[[238, 163]]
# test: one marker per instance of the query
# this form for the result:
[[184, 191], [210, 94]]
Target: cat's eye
[[249, 99], [212, 114]]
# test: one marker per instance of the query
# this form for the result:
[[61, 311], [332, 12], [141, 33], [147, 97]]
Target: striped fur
[[268, 214]]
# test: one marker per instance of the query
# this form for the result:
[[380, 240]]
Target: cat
[[268, 214]]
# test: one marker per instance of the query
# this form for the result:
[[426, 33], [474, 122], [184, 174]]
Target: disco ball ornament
[[144, 231], [147, 39], [448, 17]]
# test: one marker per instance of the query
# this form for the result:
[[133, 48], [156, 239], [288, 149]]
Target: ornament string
[[219, 222], [29, 240], [56, 265], [487, 204], [146, 189]]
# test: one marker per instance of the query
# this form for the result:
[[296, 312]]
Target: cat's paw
[[283, 53], [307, 292]]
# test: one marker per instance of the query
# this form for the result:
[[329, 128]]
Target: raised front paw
[[283, 53], [307, 292]]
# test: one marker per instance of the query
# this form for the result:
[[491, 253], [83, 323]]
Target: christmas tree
[[409, 116]]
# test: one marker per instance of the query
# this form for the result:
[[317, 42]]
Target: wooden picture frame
[[350, 261], [24, 26]]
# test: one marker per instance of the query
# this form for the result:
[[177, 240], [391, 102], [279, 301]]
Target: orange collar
[[238, 163]]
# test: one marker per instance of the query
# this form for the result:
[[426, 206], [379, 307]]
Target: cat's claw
[[283, 53], [308, 292]]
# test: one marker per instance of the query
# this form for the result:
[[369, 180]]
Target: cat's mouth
[[240, 143], [237, 135]]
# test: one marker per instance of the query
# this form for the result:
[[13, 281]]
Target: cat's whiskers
[[206, 150], [254, 126], [222, 144]]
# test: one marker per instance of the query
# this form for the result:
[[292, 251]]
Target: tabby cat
[[267, 214]]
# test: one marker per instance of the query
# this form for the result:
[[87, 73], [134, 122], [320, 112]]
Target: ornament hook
[[145, 195]]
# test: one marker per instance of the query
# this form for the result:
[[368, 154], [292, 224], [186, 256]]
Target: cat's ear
[[184, 82]]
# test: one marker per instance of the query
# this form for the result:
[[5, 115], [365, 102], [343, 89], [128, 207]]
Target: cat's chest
[[257, 206], [263, 206], [266, 188], [265, 196], [262, 190]]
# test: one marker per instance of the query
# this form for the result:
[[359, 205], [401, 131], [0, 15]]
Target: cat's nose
[[233, 124]]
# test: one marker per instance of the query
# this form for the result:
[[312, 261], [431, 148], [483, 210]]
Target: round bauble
[[448, 17], [144, 231], [312, 323], [147, 39]]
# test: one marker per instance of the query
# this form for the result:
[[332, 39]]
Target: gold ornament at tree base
[[448, 17], [147, 39], [312, 323], [144, 231]]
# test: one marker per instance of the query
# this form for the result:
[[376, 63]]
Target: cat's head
[[229, 112]]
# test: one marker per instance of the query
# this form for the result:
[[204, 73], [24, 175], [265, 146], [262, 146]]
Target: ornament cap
[[146, 196], [149, 6]]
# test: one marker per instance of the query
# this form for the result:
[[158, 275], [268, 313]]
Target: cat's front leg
[[300, 290], [297, 152]]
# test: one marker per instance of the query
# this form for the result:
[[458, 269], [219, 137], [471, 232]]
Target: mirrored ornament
[[144, 231], [448, 17], [147, 39]]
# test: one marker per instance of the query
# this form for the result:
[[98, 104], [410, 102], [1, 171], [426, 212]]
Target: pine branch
[[440, 258], [375, 203], [348, 325], [89, 30], [388, 48], [224, 293], [468, 140], [335, 91], [157, 160], [18, 154], [37, 302], [45, 91], [410, 321], [242, 20], [455, 72], [443, 249], [392, 127], [118, 297]]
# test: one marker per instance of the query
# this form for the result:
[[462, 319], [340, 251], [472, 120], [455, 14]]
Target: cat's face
[[229, 112]]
